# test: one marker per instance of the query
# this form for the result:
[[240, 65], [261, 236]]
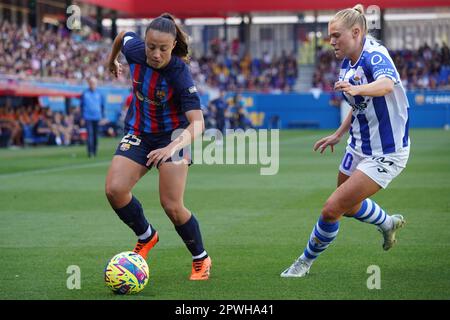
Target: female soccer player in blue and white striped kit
[[378, 146]]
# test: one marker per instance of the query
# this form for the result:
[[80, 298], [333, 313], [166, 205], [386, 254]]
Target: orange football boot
[[143, 248], [201, 269]]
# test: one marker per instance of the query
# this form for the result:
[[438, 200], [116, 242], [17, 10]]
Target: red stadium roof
[[222, 8]]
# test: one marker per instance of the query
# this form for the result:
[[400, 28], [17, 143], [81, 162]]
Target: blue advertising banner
[[429, 109]]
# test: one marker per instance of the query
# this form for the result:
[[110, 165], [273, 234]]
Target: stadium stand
[[425, 68], [56, 54]]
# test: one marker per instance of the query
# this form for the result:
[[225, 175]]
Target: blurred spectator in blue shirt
[[92, 111]]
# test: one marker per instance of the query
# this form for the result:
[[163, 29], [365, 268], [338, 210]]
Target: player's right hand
[[327, 141], [115, 68]]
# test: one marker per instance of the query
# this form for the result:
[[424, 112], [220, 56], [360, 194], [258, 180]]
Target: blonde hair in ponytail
[[351, 17]]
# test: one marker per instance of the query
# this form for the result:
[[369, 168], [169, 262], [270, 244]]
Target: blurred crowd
[[227, 111], [226, 67], [425, 68], [35, 125], [226, 71], [52, 53]]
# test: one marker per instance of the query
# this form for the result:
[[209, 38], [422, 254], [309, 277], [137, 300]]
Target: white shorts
[[381, 169]]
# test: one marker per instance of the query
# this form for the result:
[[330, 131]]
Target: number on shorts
[[131, 139], [347, 162]]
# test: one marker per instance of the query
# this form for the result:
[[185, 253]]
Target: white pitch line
[[57, 169]]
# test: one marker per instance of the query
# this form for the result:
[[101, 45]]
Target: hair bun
[[167, 16], [359, 8]]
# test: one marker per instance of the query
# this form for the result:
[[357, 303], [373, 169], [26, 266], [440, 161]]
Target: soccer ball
[[126, 273]]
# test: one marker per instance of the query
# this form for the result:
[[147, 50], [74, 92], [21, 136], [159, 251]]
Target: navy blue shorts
[[137, 148]]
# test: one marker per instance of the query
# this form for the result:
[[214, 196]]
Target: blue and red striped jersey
[[161, 97]]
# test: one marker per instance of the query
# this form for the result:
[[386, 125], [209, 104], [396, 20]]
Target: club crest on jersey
[[125, 146], [357, 78], [359, 73], [160, 94]]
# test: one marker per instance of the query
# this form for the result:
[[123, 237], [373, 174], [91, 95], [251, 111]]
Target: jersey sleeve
[[186, 89], [133, 48], [380, 66]]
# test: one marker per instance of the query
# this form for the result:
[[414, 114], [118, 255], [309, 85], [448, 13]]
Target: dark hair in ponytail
[[166, 23]]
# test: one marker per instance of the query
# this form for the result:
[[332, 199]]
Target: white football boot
[[389, 236], [298, 269]]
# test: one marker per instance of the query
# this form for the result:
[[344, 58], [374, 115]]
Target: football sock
[[133, 216], [147, 235], [190, 233], [321, 237], [371, 212]]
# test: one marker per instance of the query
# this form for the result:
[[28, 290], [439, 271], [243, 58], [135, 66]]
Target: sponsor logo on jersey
[[359, 107], [141, 97]]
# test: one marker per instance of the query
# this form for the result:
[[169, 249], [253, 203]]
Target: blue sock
[[321, 237], [190, 233], [371, 212], [133, 216]]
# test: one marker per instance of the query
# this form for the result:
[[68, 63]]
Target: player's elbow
[[388, 86], [388, 90]]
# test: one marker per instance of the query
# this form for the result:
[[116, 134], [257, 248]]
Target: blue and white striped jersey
[[379, 124]]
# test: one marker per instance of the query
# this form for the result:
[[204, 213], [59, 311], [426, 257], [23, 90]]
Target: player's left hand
[[158, 156], [346, 87], [115, 68]]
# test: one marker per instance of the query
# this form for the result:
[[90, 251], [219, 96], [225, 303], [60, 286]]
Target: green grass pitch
[[54, 214]]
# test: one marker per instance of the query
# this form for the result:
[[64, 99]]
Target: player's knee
[[173, 209], [331, 211], [170, 207], [114, 191]]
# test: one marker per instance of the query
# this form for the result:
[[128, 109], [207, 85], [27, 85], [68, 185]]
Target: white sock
[[201, 255], [146, 234], [387, 224], [371, 212]]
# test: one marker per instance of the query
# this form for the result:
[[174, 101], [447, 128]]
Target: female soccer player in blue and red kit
[[164, 99]]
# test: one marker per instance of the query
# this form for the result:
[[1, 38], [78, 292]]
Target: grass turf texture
[[54, 214]]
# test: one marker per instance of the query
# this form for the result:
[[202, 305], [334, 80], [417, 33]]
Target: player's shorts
[[381, 169], [137, 148]]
